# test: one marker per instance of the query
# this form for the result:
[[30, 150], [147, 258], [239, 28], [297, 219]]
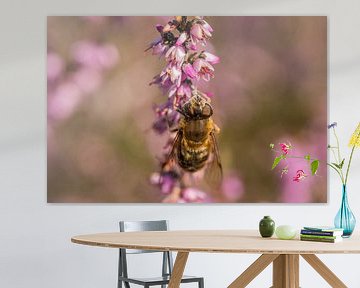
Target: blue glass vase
[[345, 219]]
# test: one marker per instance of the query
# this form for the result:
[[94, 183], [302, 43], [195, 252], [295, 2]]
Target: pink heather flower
[[232, 188], [184, 90], [166, 180], [182, 38], [63, 101], [207, 26], [189, 71], [55, 66], [200, 32], [204, 69], [172, 72], [88, 80], [300, 175], [193, 195], [285, 148], [176, 54], [108, 56], [94, 55], [211, 58]]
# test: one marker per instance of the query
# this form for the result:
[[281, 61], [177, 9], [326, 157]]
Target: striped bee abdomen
[[191, 155]]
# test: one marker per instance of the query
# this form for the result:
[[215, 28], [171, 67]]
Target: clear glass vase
[[345, 219]]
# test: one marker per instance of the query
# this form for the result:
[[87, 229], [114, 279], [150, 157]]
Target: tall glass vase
[[345, 219]]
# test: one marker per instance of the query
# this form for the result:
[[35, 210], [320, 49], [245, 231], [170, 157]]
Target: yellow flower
[[355, 138]]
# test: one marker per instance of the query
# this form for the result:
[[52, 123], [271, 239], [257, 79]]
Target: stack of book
[[321, 234]]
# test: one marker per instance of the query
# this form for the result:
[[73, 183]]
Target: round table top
[[218, 241]]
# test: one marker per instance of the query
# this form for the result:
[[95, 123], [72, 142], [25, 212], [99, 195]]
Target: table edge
[[203, 250]]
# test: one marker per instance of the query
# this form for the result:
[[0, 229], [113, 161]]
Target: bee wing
[[172, 154], [213, 172]]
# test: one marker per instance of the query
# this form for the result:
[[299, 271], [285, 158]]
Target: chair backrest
[[135, 226]]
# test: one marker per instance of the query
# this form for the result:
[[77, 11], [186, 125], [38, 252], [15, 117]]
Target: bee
[[195, 145]]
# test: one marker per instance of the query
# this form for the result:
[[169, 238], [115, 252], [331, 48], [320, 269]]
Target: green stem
[[338, 146], [338, 149], [333, 152], [337, 171], [299, 157], [348, 167], [351, 155]]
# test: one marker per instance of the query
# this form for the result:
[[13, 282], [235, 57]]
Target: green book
[[325, 240], [319, 236]]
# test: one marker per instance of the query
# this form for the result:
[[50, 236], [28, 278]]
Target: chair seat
[[158, 280]]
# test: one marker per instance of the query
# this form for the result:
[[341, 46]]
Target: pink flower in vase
[[300, 175], [285, 148]]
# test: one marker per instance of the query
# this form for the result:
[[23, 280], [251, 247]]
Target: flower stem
[[337, 142], [351, 155], [339, 160], [348, 167], [337, 171]]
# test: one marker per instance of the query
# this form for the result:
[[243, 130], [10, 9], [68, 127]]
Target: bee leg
[[181, 112], [174, 130], [216, 129]]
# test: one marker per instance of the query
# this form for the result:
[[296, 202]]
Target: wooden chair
[[167, 262]]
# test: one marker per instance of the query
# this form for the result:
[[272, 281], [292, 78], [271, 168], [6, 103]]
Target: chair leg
[[201, 283]]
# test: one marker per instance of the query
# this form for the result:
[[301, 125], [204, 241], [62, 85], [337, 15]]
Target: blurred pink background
[[270, 87]]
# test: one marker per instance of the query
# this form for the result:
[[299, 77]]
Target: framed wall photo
[[187, 109]]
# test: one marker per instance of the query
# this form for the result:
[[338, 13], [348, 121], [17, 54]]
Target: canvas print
[[186, 109]]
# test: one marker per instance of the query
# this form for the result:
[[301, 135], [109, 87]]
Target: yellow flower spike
[[355, 137]]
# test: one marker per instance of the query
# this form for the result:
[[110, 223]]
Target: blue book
[[322, 231]]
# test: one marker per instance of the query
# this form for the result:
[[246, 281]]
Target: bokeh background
[[270, 87]]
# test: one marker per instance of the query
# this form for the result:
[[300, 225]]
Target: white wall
[[35, 248]]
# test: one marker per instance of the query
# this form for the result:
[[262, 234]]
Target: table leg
[[324, 271], [178, 269], [286, 271], [253, 270]]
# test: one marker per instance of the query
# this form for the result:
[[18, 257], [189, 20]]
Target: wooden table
[[284, 254]]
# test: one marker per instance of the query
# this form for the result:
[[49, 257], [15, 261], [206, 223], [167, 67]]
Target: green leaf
[[314, 166], [277, 161], [336, 165], [307, 157], [342, 163]]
